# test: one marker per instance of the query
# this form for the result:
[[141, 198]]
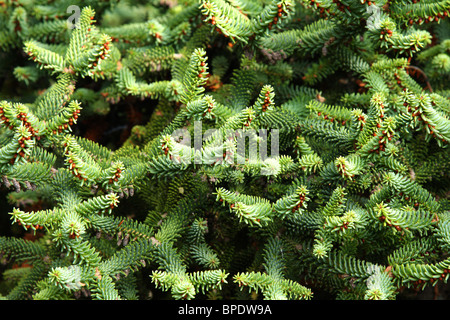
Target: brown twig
[[425, 78]]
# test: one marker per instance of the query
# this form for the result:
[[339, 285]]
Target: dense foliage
[[135, 138]]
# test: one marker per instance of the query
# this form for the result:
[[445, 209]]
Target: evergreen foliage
[[351, 97]]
